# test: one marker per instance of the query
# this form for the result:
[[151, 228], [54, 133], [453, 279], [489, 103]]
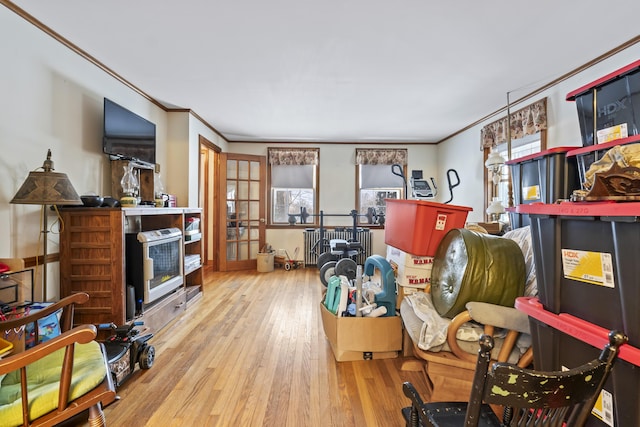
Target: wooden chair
[[450, 373], [103, 394], [549, 398]]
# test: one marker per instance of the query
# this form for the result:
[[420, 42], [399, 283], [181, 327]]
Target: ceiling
[[339, 70]]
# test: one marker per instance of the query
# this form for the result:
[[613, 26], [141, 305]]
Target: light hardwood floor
[[252, 352]]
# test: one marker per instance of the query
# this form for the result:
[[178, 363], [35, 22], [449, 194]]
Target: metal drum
[[472, 266]]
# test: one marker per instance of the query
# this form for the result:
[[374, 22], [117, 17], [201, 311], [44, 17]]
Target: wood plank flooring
[[252, 352]]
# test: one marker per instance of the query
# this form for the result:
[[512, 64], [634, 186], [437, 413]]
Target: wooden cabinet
[[92, 260]]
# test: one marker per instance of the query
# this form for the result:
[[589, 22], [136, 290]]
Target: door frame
[[208, 195], [250, 263]]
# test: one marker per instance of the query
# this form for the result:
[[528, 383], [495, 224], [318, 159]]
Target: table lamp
[[44, 188]]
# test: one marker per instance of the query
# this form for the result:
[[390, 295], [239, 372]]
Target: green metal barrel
[[472, 266]]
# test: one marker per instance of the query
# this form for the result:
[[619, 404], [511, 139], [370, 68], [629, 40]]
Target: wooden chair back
[[529, 397]]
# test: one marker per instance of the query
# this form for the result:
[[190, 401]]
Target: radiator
[[312, 248]]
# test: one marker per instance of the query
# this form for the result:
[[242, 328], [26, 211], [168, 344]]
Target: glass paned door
[[243, 210]]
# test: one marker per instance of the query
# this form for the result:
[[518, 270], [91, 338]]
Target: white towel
[[434, 327]]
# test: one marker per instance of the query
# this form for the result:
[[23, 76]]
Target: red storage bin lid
[[608, 208], [540, 154], [603, 146], [571, 96], [587, 332]]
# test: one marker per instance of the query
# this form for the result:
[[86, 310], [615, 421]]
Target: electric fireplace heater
[[154, 263]]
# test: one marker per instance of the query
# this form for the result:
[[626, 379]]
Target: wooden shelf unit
[[92, 260]]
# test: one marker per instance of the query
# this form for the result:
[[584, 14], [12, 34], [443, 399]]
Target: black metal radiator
[[312, 247]]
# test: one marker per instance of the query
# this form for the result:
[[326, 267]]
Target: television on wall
[[128, 136]]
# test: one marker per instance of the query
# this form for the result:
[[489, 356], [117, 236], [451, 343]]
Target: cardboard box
[[415, 277], [362, 338], [410, 270]]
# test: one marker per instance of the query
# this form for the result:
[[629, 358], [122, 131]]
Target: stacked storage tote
[[413, 231], [586, 256], [544, 177]]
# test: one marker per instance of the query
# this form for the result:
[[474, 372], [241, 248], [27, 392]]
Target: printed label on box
[[611, 133], [415, 280], [531, 193], [441, 222], [422, 260], [595, 268], [603, 409]]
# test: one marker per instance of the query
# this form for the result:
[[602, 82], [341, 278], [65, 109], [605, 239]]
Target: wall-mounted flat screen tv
[[128, 136]]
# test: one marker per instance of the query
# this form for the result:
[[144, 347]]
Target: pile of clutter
[[354, 298]]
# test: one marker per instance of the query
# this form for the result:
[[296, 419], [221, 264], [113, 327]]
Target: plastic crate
[[609, 102], [564, 341], [586, 257], [417, 227], [517, 220], [546, 176], [586, 156]]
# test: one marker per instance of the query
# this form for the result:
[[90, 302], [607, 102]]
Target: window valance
[[293, 156], [526, 121], [366, 156]]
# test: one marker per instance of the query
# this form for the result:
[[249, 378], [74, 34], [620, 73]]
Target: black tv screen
[[127, 135]]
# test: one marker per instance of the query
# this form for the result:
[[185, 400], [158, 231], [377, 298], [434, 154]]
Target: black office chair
[[525, 394]]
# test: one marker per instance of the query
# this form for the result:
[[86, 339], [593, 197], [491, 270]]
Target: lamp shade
[[47, 188], [494, 161], [495, 207]]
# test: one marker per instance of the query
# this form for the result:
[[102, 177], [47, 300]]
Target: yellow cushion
[[43, 377]]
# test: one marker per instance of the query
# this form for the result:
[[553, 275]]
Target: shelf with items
[[193, 254], [93, 249]]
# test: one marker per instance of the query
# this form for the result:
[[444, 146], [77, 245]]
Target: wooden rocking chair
[[57, 361], [528, 396]]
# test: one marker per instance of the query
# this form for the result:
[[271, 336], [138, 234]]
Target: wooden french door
[[242, 211]]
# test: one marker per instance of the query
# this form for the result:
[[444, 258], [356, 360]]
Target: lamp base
[[128, 202]]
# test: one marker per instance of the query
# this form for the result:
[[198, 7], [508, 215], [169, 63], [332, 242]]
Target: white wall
[[562, 131], [52, 98]]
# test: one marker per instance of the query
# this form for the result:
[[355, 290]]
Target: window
[[527, 135], [376, 181], [519, 148], [293, 175]]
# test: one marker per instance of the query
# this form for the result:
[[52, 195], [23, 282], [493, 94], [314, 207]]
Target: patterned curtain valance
[[365, 156], [526, 121], [293, 156]]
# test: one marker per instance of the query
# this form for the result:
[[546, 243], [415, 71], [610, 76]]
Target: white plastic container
[[265, 262]]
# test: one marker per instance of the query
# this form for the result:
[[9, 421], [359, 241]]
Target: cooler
[[544, 177], [417, 226], [562, 341], [586, 257]]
